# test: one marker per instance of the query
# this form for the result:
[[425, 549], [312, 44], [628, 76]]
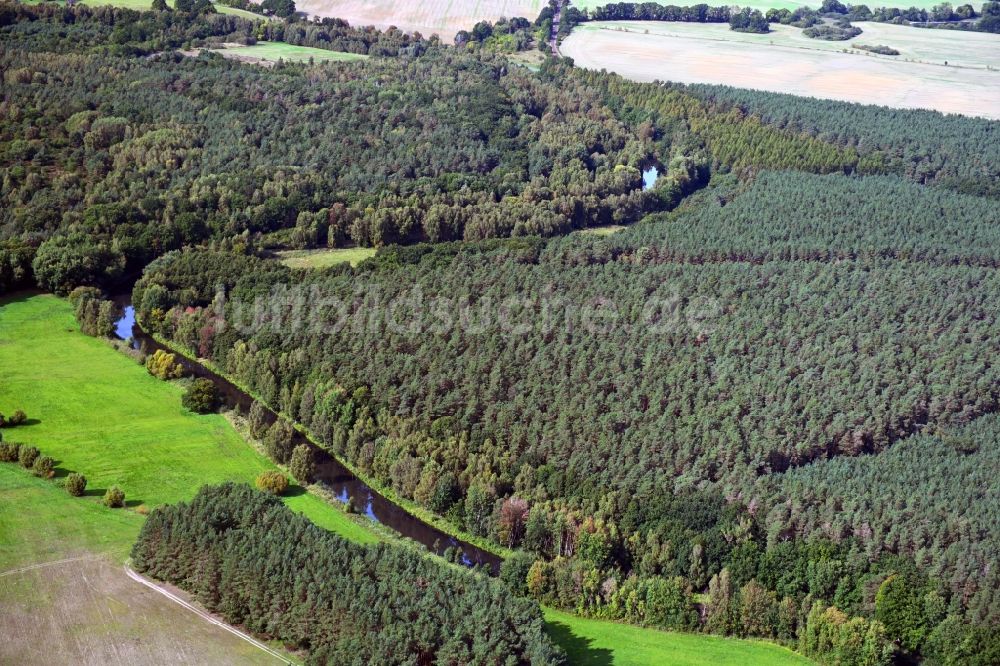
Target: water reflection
[[649, 177], [333, 477]]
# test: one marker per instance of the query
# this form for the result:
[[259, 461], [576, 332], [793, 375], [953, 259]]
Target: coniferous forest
[[244, 554], [767, 407]]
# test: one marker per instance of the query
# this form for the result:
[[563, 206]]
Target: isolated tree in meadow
[[114, 497], [302, 464], [15, 419], [201, 397], [76, 484], [9, 451], [27, 455], [44, 466], [272, 481]]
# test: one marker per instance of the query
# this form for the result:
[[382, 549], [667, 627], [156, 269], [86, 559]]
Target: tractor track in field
[[203, 614]]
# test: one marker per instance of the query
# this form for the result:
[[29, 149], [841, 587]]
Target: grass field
[[99, 413], [87, 609], [601, 643], [274, 51], [325, 258], [604, 230], [785, 61]]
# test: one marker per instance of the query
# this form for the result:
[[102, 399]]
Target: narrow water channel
[[337, 479]]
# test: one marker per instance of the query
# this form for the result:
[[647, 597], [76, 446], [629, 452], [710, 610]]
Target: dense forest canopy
[[736, 396], [792, 344], [246, 555]]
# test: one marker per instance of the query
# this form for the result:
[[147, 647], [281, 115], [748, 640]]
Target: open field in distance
[[590, 642], [444, 17], [764, 5], [325, 258], [785, 61], [275, 51], [142, 5]]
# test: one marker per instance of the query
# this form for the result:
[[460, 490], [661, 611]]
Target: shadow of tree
[[578, 649], [294, 490]]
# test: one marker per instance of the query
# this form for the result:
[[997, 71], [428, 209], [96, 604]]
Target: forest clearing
[[271, 52], [325, 258]]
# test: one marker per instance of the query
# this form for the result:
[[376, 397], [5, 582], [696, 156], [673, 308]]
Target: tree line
[[243, 554]]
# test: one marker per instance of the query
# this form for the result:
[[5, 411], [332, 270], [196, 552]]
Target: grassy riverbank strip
[[411, 507]]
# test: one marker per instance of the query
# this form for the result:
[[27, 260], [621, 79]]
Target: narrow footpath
[[554, 33]]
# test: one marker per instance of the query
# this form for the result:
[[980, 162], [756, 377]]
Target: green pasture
[[325, 258], [97, 412], [275, 51], [590, 642]]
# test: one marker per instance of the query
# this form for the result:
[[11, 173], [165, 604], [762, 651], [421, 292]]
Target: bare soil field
[[443, 17], [90, 612], [764, 5], [787, 62]]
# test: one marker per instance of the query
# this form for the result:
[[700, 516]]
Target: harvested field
[[764, 5], [785, 61], [90, 612], [443, 17]]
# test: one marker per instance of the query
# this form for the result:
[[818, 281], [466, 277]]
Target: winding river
[[333, 476]]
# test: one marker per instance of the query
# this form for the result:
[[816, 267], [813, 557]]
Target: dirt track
[[87, 610]]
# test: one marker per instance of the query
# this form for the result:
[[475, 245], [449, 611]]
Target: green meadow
[[97, 412], [325, 258], [603, 643], [274, 51]]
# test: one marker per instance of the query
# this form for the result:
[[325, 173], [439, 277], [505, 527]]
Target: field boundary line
[[204, 615], [42, 565]]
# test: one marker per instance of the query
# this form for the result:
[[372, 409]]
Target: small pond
[[649, 177]]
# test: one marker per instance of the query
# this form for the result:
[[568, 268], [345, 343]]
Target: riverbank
[[377, 502]]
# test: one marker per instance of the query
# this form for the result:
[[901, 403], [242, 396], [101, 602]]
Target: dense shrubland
[[244, 554]]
